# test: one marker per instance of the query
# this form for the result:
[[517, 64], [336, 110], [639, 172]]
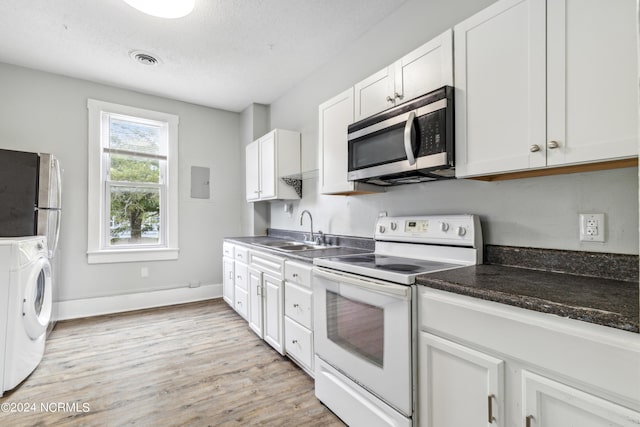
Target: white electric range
[[365, 318]]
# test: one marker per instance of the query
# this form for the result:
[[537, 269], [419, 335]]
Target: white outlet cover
[[592, 228]]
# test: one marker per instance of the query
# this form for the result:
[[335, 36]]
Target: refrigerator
[[30, 201]]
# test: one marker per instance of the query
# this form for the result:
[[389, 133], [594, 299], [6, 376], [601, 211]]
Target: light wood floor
[[190, 365]]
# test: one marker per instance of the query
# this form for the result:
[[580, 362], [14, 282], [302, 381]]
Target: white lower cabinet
[[551, 403], [452, 377], [227, 281], [241, 299], [272, 293], [255, 302], [298, 315], [486, 364]]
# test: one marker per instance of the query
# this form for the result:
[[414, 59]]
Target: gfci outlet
[[592, 227]]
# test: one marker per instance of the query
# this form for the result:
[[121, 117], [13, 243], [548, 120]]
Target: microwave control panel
[[432, 133]]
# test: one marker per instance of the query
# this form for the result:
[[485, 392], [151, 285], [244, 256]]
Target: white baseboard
[[88, 307]]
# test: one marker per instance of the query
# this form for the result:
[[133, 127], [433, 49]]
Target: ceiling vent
[[145, 58]]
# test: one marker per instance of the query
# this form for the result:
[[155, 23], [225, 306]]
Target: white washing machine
[[25, 307]]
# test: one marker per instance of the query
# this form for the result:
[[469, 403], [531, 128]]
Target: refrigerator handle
[[58, 177]]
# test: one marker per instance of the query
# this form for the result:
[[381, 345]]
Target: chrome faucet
[[311, 220]]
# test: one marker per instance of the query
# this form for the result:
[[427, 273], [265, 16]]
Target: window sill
[[132, 255]]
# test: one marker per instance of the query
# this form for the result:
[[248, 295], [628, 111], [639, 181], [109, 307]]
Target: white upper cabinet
[[425, 69], [500, 88], [545, 83], [592, 83], [334, 116], [275, 155]]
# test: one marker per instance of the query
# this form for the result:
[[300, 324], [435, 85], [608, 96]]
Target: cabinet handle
[[295, 275], [258, 290], [553, 144], [397, 95], [296, 305], [238, 277], [389, 99], [294, 341], [533, 148], [230, 276], [528, 420], [491, 418]]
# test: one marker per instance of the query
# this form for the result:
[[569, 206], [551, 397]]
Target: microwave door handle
[[408, 138]]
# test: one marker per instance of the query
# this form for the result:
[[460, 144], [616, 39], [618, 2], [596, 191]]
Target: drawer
[[228, 249], [242, 254], [298, 273], [298, 342], [242, 275], [270, 264], [241, 302], [297, 304]]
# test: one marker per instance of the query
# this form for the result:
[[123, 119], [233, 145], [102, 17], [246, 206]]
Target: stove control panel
[[457, 230]]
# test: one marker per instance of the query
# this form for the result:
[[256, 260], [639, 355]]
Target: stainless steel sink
[[279, 243], [303, 247], [293, 246]]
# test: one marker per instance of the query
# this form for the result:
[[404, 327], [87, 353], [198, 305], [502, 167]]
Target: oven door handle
[[409, 136], [400, 291]]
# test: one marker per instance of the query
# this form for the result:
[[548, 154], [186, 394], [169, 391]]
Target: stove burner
[[399, 267]]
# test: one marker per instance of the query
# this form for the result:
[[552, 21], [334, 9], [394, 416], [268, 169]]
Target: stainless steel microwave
[[412, 142]]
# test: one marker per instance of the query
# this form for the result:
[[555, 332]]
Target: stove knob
[[461, 231], [394, 226], [444, 226], [382, 228]]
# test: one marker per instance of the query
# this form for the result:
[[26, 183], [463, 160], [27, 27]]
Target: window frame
[[98, 248]]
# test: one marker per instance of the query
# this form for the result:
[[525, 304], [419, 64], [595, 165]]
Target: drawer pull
[[491, 418], [296, 305], [294, 341], [295, 275], [528, 420]]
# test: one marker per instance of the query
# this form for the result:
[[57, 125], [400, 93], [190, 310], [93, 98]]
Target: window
[[133, 188]]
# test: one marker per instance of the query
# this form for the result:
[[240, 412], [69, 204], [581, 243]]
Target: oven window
[[384, 147], [356, 327]]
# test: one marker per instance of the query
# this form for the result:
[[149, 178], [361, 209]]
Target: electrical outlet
[[592, 227]]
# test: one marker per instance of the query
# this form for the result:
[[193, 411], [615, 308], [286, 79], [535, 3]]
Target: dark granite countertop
[[601, 301], [304, 256]]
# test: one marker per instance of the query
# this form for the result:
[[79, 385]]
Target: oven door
[[362, 327]]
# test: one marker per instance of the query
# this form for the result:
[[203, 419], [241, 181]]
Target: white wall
[[48, 113], [534, 212]]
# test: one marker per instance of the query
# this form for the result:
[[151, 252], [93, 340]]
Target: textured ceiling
[[226, 54]]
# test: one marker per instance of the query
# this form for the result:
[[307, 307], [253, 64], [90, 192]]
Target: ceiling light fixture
[[163, 8]]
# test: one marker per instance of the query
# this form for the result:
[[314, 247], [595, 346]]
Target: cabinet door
[[252, 171], [334, 117], [228, 283], [374, 94], [273, 312], [425, 69], [547, 403], [268, 166], [458, 386], [500, 88], [592, 99], [255, 302]]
